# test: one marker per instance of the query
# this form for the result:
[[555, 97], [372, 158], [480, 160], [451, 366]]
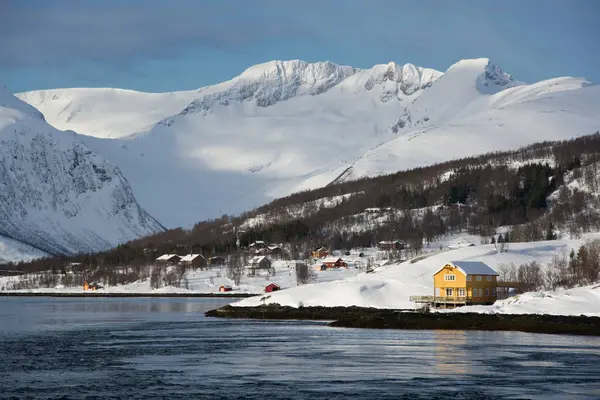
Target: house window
[[462, 292], [449, 277], [478, 277], [489, 278], [449, 292], [493, 291], [487, 292], [480, 292], [474, 292], [468, 277]]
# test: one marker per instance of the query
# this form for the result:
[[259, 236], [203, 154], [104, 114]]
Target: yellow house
[[465, 283]]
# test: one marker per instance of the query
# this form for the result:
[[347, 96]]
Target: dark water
[[166, 349]]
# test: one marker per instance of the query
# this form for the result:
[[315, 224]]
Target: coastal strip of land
[[101, 294], [359, 317]]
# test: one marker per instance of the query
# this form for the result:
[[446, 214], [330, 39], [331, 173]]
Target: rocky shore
[[357, 317]]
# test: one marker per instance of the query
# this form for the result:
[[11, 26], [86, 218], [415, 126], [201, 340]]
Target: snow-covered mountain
[[56, 195], [285, 126]]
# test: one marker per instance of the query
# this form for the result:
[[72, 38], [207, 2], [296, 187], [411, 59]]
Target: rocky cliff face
[[56, 194]]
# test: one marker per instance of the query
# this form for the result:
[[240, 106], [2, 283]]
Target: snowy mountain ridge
[[56, 195], [286, 126]]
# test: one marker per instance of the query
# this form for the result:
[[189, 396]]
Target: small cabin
[[225, 288], [391, 245], [272, 287], [91, 286], [193, 260], [216, 260], [168, 259], [333, 263], [320, 252]]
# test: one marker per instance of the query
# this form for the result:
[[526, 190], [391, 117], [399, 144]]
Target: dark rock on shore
[[358, 317]]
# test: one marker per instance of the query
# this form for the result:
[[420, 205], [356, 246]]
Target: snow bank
[[391, 286]]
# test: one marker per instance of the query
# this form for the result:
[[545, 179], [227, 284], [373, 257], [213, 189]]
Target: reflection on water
[[166, 348]]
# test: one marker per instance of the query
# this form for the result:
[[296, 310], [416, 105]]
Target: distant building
[[216, 260], [329, 263], [258, 263], [259, 244], [320, 252], [391, 245], [193, 260], [169, 259], [225, 288], [272, 287]]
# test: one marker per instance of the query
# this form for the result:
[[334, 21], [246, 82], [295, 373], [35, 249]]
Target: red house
[[272, 287], [334, 263], [225, 288]]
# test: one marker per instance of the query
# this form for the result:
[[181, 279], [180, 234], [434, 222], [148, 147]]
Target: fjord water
[[140, 348]]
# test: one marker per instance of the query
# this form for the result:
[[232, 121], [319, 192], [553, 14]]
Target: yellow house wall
[[462, 282]]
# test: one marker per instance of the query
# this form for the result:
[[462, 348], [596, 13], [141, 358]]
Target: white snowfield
[[286, 126], [391, 286], [14, 251], [57, 195]]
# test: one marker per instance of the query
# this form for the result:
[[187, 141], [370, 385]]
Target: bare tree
[[304, 274], [235, 268]]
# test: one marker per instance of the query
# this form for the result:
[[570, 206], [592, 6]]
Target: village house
[[258, 263], [168, 259], [391, 245], [258, 244], [216, 260], [320, 252], [460, 283], [272, 287], [193, 260], [225, 288], [332, 262]]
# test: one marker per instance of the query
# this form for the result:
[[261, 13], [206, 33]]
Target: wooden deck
[[441, 300]]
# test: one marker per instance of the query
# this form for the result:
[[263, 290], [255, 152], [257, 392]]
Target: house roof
[[191, 257], [273, 284], [257, 259], [226, 286], [472, 268], [165, 257]]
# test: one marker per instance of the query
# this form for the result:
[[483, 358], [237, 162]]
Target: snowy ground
[[13, 251], [391, 286], [209, 281]]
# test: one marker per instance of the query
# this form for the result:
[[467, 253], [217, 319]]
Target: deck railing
[[440, 299]]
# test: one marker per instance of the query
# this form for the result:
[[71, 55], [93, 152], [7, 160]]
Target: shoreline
[[96, 294], [373, 318]]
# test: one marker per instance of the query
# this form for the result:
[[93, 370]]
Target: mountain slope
[[281, 127], [55, 194]]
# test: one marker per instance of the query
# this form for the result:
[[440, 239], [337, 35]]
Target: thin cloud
[[55, 33]]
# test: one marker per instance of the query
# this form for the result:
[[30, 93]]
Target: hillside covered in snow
[[286, 126], [56, 195]]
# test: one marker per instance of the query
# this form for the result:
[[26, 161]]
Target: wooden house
[[320, 252], [391, 245], [272, 287], [216, 260], [460, 283], [258, 263], [258, 244], [193, 260], [168, 259], [225, 288], [329, 263]]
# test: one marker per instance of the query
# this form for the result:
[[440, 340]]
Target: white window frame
[[474, 293], [478, 277], [480, 292], [450, 277], [493, 291], [488, 278], [449, 292], [469, 277], [462, 292], [487, 292]]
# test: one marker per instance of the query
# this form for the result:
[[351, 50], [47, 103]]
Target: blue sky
[[153, 45]]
